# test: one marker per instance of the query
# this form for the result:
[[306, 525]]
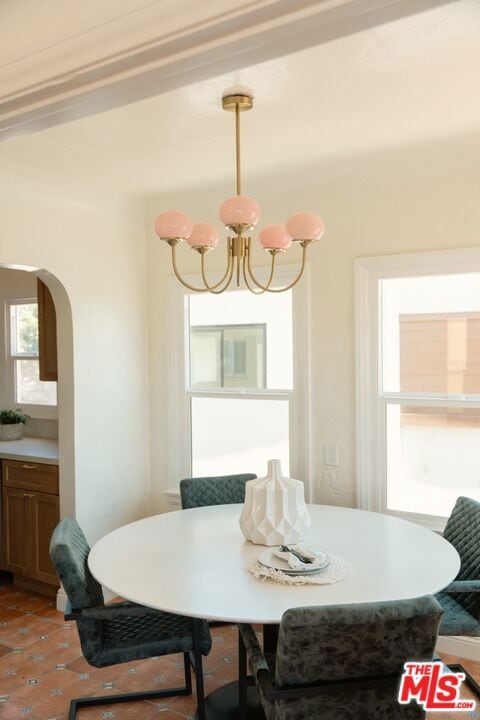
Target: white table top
[[192, 562]]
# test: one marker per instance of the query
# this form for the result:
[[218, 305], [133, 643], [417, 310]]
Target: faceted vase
[[274, 512]]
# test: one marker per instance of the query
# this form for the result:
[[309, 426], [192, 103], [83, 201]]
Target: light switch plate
[[331, 455]]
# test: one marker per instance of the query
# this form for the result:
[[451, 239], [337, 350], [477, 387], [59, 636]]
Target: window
[[235, 397], [418, 375], [224, 356], [23, 383], [243, 419]]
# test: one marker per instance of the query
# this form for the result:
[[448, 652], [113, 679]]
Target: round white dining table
[[194, 562]]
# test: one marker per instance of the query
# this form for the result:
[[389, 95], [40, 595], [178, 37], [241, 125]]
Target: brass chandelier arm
[[267, 288], [247, 274], [227, 277], [207, 288], [247, 283], [179, 277]]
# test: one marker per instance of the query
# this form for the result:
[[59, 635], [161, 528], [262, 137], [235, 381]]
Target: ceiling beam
[[46, 87]]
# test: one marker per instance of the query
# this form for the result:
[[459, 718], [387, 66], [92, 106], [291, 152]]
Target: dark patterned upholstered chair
[[340, 662], [122, 632], [221, 490], [461, 599]]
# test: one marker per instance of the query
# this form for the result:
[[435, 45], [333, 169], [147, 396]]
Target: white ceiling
[[412, 81]]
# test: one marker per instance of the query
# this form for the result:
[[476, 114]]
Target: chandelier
[[239, 214]]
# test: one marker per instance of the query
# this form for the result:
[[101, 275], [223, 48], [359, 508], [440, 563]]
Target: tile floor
[[41, 669]]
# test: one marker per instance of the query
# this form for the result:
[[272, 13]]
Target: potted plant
[[11, 424]]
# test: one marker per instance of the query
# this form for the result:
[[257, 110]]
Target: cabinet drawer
[[30, 476]]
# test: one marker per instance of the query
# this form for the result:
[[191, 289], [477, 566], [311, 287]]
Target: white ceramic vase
[[274, 512]]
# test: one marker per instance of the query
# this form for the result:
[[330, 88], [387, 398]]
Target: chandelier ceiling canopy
[[239, 214]]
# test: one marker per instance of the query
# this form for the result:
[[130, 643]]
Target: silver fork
[[302, 558]]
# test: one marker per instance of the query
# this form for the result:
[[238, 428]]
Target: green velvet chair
[[220, 490], [124, 631], [340, 662], [461, 599]]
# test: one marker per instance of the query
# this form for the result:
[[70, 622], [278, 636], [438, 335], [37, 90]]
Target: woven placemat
[[337, 571]]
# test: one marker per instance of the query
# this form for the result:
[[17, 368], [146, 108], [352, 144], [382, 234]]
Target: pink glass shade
[[239, 210], [306, 226], [275, 237], [173, 224], [203, 235]]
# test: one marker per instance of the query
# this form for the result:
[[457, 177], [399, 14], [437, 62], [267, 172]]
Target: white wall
[[96, 255], [415, 198]]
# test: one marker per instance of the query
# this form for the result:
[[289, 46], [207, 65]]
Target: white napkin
[[294, 563]]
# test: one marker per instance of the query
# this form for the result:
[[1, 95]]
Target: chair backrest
[[341, 642], [463, 532], [69, 551], [220, 490]]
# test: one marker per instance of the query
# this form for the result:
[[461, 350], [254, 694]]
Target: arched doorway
[[19, 287]]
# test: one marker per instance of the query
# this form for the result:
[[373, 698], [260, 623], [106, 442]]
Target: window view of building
[[228, 356], [431, 391]]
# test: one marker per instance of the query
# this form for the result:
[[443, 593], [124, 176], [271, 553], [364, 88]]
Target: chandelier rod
[[237, 148]]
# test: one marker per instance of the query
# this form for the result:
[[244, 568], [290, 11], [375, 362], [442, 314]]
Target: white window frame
[[41, 412], [370, 402], [179, 394]]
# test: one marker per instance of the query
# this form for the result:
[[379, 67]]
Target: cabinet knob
[[26, 466], [28, 495]]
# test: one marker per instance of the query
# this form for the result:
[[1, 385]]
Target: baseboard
[[35, 586], [465, 647], [61, 599], [173, 499]]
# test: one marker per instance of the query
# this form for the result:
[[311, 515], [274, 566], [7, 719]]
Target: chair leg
[[78, 703], [188, 673], [197, 655], [242, 678]]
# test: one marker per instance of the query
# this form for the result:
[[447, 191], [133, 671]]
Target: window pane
[[205, 357], [238, 436], [432, 458], [29, 389], [228, 356], [241, 341], [24, 324], [431, 334]]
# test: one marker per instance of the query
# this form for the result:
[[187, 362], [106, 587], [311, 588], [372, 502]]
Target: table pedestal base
[[222, 704]]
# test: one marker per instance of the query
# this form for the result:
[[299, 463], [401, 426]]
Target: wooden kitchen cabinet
[[16, 512], [30, 514], [47, 333]]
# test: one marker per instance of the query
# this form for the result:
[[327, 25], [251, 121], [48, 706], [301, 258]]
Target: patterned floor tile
[[7, 615], [50, 613], [42, 669], [24, 601], [25, 630]]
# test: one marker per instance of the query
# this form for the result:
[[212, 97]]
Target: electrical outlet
[[331, 455]]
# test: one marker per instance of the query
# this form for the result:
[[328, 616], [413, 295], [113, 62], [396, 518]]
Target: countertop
[[36, 450]]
